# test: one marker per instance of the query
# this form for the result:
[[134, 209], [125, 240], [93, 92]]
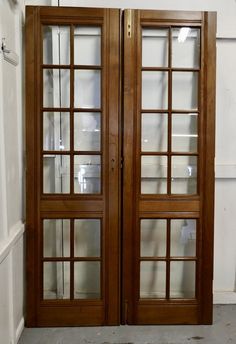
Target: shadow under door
[[120, 166]]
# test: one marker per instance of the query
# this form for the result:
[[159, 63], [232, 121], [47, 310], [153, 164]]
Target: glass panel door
[[165, 122]]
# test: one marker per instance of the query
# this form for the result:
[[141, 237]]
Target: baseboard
[[224, 297], [19, 329], [15, 233]]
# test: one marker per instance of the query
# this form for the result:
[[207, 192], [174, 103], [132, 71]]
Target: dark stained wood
[[167, 314], [209, 167]]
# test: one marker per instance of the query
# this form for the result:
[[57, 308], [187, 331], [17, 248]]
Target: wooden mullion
[[87, 153], [87, 67], [71, 256], [168, 238], [154, 111], [55, 66], [56, 109], [169, 113], [72, 259], [88, 110], [71, 110]]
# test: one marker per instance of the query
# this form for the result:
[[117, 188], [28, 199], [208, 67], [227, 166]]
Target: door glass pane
[[56, 131], [185, 47], [56, 280], [87, 131], [182, 279], [87, 174], [153, 238], [56, 88], [184, 175], [87, 92], [184, 91], [56, 173], [87, 280], [154, 90], [183, 238], [56, 238], [156, 42], [87, 238], [184, 132], [56, 45], [87, 45], [153, 174], [153, 280], [154, 132]]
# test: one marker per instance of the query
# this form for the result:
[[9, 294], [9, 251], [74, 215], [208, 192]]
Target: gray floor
[[223, 331]]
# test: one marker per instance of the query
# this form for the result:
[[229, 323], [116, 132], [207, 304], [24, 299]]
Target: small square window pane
[[87, 131], [154, 90], [87, 92], [56, 238], [185, 132], [56, 173], [184, 90], [183, 238], [87, 238], [184, 175], [56, 131], [185, 47], [87, 280], [152, 280], [56, 280], [87, 45], [153, 237], [182, 280], [153, 174], [56, 88], [56, 45], [87, 174], [154, 132], [156, 42]]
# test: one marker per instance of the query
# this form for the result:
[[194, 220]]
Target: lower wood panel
[[71, 316], [167, 314]]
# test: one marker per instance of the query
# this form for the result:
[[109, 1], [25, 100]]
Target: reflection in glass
[[56, 45], [185, 90], [56, 173], [87, 93], [153, 280], [87, 45], [56, 280], [182, 279], [185, 47], [56, 88], [183, 238], [184, 132], [87, 174], [154, 90], [153, 174], [156, 42], [87, 238], [184, 175], [56, 131], [87, 131], [56, 238], [154, 132], [87, 280], [153, 238]]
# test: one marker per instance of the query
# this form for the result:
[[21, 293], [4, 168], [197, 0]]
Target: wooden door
[[73, 166], [105, 247], [169, 89]]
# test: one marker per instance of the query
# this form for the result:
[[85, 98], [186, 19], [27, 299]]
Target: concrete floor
[[223, 331]]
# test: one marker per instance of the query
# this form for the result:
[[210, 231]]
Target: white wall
[[11, 180]]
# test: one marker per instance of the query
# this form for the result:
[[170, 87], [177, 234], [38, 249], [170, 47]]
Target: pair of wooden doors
[[120, 166]]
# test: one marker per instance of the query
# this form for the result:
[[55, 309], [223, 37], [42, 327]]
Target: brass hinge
[[129, 23], [121, 162]]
